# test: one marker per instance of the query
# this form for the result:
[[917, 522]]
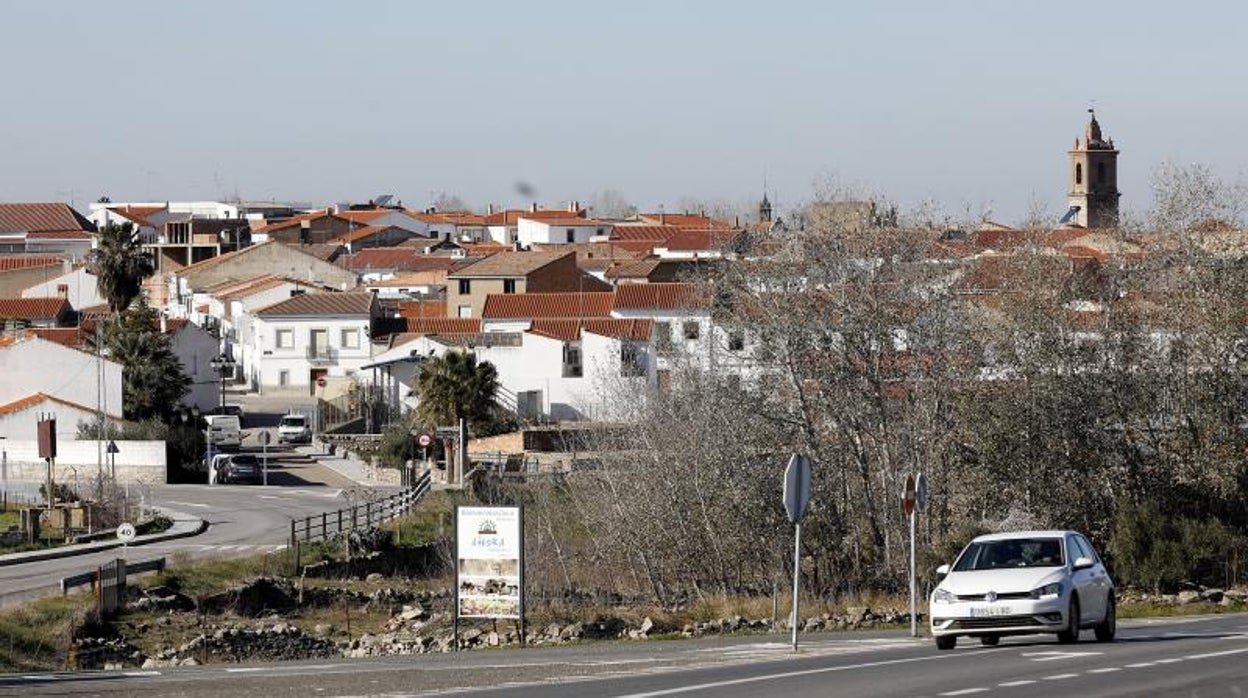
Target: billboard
[[489, 546]]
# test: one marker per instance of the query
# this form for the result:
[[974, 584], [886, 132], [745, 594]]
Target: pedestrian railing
[[331, 524]]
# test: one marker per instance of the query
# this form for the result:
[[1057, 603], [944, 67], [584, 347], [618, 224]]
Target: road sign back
[[907, 497], [920, 493], [797, 487]]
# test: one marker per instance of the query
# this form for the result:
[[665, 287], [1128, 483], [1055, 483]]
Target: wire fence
[[331, 524]]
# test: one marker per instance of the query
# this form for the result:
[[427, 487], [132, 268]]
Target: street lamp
[[222, 364]]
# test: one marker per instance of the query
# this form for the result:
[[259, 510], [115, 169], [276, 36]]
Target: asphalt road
[[1196, 657], [243, 520]]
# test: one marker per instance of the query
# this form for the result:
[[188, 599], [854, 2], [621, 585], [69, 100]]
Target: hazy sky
[[968, 103]]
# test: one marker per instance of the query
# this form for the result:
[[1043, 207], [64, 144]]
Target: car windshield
[[243, 459], [1010, 553], [292, 421]]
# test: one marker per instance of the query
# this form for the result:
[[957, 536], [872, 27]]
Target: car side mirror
[[1083, 563], [942, 570]]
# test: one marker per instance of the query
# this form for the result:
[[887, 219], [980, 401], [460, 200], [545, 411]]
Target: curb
[[184, 526]]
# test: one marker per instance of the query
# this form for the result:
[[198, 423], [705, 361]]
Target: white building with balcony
[[311, 342]]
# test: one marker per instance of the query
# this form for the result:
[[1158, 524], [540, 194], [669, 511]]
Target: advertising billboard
[[488, 562]]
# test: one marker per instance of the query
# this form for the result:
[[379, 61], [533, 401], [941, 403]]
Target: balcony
[[322, 356]]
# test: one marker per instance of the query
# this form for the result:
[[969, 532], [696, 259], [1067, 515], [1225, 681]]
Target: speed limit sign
[[425, 440]]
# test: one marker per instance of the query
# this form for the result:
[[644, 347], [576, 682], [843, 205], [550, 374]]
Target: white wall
[[138, 462], [34, 365], [82, 292], [530, 231], [270, 360]]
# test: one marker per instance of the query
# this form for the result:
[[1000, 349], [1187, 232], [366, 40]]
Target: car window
[[292, 421], [1084, 548], [244, 459], [1010, 553]]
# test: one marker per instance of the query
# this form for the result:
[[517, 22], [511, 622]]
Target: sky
[[971, 105]]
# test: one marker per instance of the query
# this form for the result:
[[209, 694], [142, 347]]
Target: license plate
[[989, 611]]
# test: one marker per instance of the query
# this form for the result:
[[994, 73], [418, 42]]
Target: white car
[[294, 429], [1021, 584]]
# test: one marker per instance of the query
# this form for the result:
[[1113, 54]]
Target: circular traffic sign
[[126, 532], [320, 382], [264, 438], [425, 440], [907, 497]]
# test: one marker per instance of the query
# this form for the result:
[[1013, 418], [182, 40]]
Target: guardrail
[[331, 524], [77, 580]]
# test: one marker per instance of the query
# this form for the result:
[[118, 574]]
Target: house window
[[571, 235], [736, 340], [632, 360], [509, 285], [601, 232], [464, 311], [1078, 173], [285, 338], [350, 339], [663, 336], [692, 329], [465, 286], [572, 361], [283, 378]]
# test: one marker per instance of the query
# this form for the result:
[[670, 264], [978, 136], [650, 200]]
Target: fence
[[331, 524], [109, 581]]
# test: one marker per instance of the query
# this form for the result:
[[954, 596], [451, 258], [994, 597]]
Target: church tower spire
[[1094, 178]]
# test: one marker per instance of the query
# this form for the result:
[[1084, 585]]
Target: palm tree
[[119, 265], [454, 385]]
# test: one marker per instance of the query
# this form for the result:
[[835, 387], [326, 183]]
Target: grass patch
[[434, 518], [36, 636], [1165, 610]]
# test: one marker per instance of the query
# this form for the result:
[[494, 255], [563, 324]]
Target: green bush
[[1153, 550]]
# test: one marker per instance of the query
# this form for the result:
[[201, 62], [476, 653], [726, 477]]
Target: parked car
[[243, 467], [294, 429], [224, 431], [231, 408], [1023, 583]]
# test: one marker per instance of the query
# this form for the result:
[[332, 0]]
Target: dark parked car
[[243, 467]]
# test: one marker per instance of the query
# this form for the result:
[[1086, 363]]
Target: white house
[[78, 287], [551, 231], [299, 341], [42, 376]]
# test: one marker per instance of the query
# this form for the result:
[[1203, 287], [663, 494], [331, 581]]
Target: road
[[243, 520], [1198, 656]]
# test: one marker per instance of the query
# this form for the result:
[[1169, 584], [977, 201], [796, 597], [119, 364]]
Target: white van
[[224, 431]]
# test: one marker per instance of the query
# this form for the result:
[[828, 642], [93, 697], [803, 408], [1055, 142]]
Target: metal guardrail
[[331, 524], [77, 580]]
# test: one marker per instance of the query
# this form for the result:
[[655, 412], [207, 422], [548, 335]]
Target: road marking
[[1059, 677], [269, 496], [1171, 660], [1020, 682], [1052, 655], [137, 674], [1140, 665], [789, 675], [1104, 670], [963, 692], [190, 504], [244, 670], [1208, 655]]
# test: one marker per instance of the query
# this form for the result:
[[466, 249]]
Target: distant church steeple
[[764, 209], [1094, 178]]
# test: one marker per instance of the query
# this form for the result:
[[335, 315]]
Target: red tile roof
[[510, 264], [72, 337], [656, 233], [423, 309], [511, 216], [136, 214], [444, 325], [686, 220], [13, 262], [569, 330], [659, 296], [38, 398], [397, 259], [514, 306], [321, 304], [59, 235], [34, 308], [29, 218]]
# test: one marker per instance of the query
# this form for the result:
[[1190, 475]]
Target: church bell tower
[[1094, 179]]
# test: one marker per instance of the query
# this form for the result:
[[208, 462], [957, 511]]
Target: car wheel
[[946, 642], [989, 640], [1071, 633], [1108, 627]]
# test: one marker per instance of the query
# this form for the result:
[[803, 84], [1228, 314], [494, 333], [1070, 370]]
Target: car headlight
[[943, 596], [1048, 591]]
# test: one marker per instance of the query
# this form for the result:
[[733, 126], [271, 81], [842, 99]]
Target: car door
[[1091, 598], [1104, 585]]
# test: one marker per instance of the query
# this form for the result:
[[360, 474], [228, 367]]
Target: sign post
[[125, 534], [264, 438], [909, 500], [796, 500]]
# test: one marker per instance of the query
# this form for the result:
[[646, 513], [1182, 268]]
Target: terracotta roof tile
[[423, 309], [510, 264], [511, 216], [503, 306], [321, 304], [136, 214], [569, 330], [656, 233], [444, 325], [397, 259], [686, 220], [60, 235], [13, 262], [72, 337], [29, 218], [34, 308], [38, 398], [659, 296]]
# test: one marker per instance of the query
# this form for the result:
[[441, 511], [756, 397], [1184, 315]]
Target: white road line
[[190, 504], [140, 673], [1104, 670], [1059, 677], [268, 496], [787, 675], [1141, 665], [1171, 660], [244, 670], [1208, 655], [963, 692], [1020, 682]]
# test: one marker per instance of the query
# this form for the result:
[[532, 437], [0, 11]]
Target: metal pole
[[264, 453], [914, 623], [797, 572]]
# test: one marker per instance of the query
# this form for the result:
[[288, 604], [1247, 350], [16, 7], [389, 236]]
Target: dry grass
[[36, 636]]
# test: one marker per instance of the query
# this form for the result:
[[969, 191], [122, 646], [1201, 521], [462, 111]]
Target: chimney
[[489, 209], [533, 207], [572, 207]]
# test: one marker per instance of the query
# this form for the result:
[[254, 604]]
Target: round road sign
[[264, 438], [126, 532], [425, 440], [320, 382], [907, 499]]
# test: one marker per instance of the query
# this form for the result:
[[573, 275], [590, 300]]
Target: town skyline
[[970, 107]]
